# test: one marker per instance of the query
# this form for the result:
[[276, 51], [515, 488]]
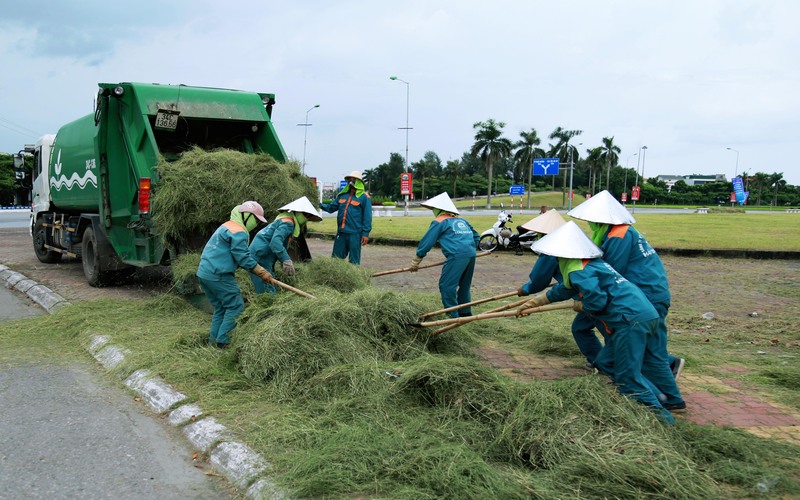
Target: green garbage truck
[[92, 181]]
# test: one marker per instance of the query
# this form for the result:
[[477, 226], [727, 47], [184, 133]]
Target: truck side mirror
[[19, 167]]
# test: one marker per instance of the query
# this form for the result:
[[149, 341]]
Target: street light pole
[[571, 170], [644, 151], [736, 172], [640, 157], [627, 167], [406, 128], [305, 136]]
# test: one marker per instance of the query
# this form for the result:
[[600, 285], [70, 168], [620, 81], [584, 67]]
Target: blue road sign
[[545, 166], [517, 190], [342, 184]]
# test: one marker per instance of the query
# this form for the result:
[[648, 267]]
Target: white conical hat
[[546, 222], [568, 241], [441, 201], [305, 206], [355, 174], [604, 209]]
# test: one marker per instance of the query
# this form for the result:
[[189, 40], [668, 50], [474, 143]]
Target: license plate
[[167, 119]]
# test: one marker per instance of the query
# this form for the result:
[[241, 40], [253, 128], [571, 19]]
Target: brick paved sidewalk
[[710, 400]]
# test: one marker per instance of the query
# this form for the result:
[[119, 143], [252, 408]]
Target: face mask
[[250, 222]]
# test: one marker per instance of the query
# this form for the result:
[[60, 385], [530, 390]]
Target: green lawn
[[751, 231]]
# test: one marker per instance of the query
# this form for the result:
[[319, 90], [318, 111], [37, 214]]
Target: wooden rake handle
[[291, 288], [513, 304], [468, 304], [505, 314], [425, 266]]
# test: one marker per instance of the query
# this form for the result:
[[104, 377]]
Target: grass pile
[[195, 194], [411, 423], [286, 340]]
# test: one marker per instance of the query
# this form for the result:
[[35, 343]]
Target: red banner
[[624, 197], [635, 193], [406, 183]]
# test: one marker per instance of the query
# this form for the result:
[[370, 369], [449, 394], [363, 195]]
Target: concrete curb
[[49, 300], [238, 463]]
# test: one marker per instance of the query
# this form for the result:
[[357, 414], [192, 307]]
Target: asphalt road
[[67, 432]]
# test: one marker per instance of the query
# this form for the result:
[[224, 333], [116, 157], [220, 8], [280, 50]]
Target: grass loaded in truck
[[94, 181]]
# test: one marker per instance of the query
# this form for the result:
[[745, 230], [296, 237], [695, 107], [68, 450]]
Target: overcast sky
[[688, 79]]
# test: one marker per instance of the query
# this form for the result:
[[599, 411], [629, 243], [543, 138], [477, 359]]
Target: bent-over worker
[[225, 252], [632, 256], [545, 270], [270, 245], [640, 359]]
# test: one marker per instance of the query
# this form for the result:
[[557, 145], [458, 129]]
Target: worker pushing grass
[[459, 242], [630, 320], [225, 252], [270, 244], [545, 269], [632, 256], [353, 219]]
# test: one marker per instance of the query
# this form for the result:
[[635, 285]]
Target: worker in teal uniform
[[458, 241], [545, 270], [353, 219], [632, 256], [225, 252], [270, 244], [625, 313]]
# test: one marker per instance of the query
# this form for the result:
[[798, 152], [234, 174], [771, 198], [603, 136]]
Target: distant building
[[691, 180]]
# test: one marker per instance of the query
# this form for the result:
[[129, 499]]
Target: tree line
[[494, 162]]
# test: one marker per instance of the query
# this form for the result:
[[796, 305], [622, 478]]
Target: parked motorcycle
[[504, 237]]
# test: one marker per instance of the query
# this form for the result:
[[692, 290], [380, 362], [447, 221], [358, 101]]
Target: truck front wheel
[[91, 258], [39, 241]]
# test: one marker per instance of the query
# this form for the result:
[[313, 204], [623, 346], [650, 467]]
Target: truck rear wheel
[[39, 241], [91, 258]]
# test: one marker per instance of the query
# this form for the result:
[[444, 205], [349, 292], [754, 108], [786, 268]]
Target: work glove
[[364, 240], [577, 306], [288, 267], [262, 273], [521, 292], [537, 301], [415, 264]]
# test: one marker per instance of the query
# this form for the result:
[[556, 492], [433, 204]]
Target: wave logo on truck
[[60, 180]]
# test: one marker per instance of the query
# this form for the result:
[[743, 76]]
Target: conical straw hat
[[604, 209], [546, 222], [305, 206], [441, 201], [567, 241]]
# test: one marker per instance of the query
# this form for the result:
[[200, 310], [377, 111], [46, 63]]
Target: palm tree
[[526, 151], [490, 146], [593, 160], [563, 150], [776, 182], [610, 154], [453, 171], [370, 175]]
